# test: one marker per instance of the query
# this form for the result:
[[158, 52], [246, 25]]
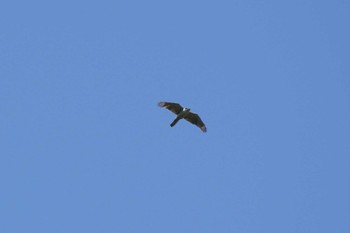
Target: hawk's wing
[[174, 107], [196, 120]]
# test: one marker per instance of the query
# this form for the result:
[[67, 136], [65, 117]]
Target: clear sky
[[85, 148]]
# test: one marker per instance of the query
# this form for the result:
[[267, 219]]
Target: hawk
[[183, 113]]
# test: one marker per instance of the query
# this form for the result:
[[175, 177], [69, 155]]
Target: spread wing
[[196, 120], [174, 107]]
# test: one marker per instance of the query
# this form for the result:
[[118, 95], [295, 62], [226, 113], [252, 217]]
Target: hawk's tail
[[174, 122]]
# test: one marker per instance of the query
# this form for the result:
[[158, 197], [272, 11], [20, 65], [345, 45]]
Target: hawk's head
[[186, 109]]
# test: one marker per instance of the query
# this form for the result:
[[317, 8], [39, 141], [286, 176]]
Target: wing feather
[[174, 107], [196, 120]]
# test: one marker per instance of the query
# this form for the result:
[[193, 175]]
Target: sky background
[[85, 148]]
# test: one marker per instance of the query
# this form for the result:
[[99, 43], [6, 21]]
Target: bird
[[183, 113]]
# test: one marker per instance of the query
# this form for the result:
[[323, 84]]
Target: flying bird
[[183, 113]]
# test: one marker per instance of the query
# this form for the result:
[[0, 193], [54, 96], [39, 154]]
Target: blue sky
[[84, 147]]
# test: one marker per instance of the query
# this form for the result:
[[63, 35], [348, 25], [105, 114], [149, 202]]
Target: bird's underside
[[183, 113]]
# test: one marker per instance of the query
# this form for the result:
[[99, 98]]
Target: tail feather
[[174, 122]]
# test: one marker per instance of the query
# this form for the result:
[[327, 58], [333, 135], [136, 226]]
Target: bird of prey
[[183, 113]]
